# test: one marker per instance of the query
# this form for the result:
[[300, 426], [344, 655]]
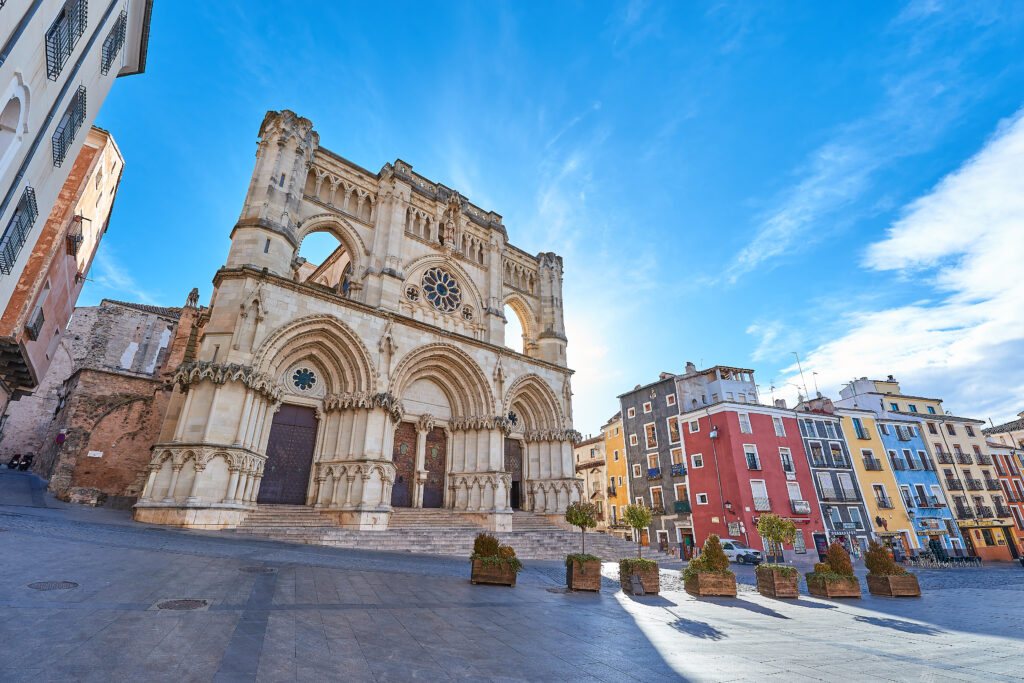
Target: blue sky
[[727, 182]]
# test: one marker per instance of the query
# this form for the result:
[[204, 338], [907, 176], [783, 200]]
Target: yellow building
[[889, 518], [618, 476], [965, 466]]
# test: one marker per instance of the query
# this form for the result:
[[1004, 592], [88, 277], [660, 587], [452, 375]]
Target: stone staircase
[[434, 531]]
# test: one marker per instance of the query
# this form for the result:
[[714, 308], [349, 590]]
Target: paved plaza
[[273, 611]]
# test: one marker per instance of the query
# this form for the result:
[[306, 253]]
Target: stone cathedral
[[378, 378]]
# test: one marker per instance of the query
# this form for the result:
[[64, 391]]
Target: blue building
[[918, 482]]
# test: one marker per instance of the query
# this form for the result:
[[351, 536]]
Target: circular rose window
[[441, 290], [304, 379]]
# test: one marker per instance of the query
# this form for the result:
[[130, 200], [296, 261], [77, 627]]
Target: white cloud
[[965, 240], [113, 280]]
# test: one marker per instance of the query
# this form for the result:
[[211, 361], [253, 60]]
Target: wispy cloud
[[113, 280], [964, 238]]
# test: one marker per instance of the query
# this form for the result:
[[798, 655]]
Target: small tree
[[838, 560], [583, 515], [776, 530], [639, 517], [880, 562]]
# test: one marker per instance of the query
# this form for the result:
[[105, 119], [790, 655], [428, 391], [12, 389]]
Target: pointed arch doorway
[[514, 466], [289, 456]]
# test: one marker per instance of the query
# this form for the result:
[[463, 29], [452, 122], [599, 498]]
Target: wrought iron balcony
[[678, 470], [964, 459], [64, 136], [954, 485], [984, 511], [113, 42], [964, 512], [1002, 510], [883, 503], [975, 485], [762, 504], [654, 473], [63, 35], [927, 463], [658, 509], [984, 459], [800, 507], [898, 464], [872, 464], [75, 237], [992, 485], [682, 507], [17, 229], [830, 494], [945, 458], [35, 324]]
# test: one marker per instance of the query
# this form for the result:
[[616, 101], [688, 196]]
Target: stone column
[[175, 471], [199, 468], [243, 423], [423, 427], [179, 430], [210, 414], [229, 494], [147, 490]]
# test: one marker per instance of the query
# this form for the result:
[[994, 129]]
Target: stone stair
[[434, 531]]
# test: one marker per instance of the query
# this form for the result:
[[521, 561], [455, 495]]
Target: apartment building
[[617, 470], [589, 460], [1009, 464]]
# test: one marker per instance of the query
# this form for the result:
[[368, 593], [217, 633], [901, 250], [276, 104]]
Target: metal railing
[[113, 42], [984, 459], [872, 464], [762, 504], [1002, 510], [17, 230], [69, 126], [974, 484], [35, 324], [984, 511], [800, 507], [945, 458], [964, 459], [954, 485], [678, 470], [681, 506], [63, 35], [964, 512], [992, 485], [883, 503], [830, 494], [898, 464], [75, 236]]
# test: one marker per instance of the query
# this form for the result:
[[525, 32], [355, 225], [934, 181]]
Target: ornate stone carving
[[198, 371]]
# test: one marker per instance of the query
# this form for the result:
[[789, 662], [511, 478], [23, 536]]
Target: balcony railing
[[75, 237], [954, 485], [975, 485], [678, 469], [830, 494], [872, 464], [113, 42], [1002, 510], [849, 494], [762, 504], [992, 485], [654, 473], [63, 35], [945, 458], [64, 136], [984, 511], [682, 506], [964, 512], [800, 507], [984, 459], [753, 463], [658, 509], [35, 324], [883, 503], [964, 459], [17, 229], [898, 464], [927, 464]]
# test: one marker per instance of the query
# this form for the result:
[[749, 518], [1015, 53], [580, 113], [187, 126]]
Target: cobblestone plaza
[[274, 611]]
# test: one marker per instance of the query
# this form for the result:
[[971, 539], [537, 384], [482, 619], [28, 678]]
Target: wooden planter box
[[585, 577], [904, 585], [706, 585], [847, 588], [499, 574], [648, 577], [775, 584]]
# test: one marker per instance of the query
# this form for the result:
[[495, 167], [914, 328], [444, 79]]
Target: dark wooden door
[[434, 463], [289, 456], [514, 466], [404, 457]]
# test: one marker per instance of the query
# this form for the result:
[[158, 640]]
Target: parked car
[[738, 552]]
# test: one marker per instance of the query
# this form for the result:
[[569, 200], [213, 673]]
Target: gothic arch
[[534, 403], [459, 376], [527, 317], [342, 230], [415, 268], [336, 348]]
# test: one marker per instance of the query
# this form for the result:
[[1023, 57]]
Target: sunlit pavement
[[273, 611]]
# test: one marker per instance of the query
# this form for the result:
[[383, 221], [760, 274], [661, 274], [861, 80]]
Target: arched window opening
[[10, 117], [513, 330], [324, 260]]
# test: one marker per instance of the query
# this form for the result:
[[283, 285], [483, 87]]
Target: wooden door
[[434, 462], [289, 456], [514, 466], [404, 457]]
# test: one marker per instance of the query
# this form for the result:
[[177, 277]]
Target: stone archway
[[289, 461], [514, 466]]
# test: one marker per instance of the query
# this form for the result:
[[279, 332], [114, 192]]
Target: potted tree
[[776, 580], [638, 517], [492, 562], [582, 571], [708, 573], [887, 578], [834, 577]]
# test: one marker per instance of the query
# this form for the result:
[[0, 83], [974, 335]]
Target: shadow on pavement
[[697, 629], [808, 603], [745, 604], [651, 600], [900, 625]]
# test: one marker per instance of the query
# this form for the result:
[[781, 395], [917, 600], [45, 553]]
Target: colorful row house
[[966, 472], [1009, 463], [618, 476], [589, 461]]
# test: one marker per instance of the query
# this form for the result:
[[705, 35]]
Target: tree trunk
[[583, 539]]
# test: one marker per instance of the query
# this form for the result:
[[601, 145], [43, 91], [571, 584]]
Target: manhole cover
[[52, 585], [181, 604], [256, 570]]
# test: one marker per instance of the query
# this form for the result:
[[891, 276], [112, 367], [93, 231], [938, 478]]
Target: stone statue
[[193, 298]]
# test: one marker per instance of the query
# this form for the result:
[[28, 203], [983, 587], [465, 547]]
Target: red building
[[746, 459], [1009, 462]]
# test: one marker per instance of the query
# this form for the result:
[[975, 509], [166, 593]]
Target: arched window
[[12, 123], [513, 330]]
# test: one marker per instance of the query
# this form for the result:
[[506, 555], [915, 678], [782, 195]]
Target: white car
[[736, 551]]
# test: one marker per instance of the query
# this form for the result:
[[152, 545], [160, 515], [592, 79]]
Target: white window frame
[[668, 426], [639, 500], [699, 496], [632, 440], [749, 426], [647, 440], [780, 427], [789, 453], [694, 459], [670, 400], [615, 455], [647, 407], [631, 412], [651, 492], [682, 457], [637, 471], [757, 456], [694, 426]]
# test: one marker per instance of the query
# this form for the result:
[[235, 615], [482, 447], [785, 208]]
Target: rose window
[[441, 290], [304, 379], [412, 293]]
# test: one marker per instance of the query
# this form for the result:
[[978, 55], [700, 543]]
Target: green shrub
[[485, 545], [581, 559], [838, 560], [506, 552], [584, 516], [638, 517], [880, 563], [784, 569], [710, 560], [632, 564]]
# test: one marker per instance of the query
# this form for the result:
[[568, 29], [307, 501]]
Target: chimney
[[780, 403], [890, 378], [690, 368]]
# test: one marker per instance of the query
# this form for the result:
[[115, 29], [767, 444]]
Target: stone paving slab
[[333, 614]]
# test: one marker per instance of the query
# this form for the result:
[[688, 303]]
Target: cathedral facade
[[378, 378]]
